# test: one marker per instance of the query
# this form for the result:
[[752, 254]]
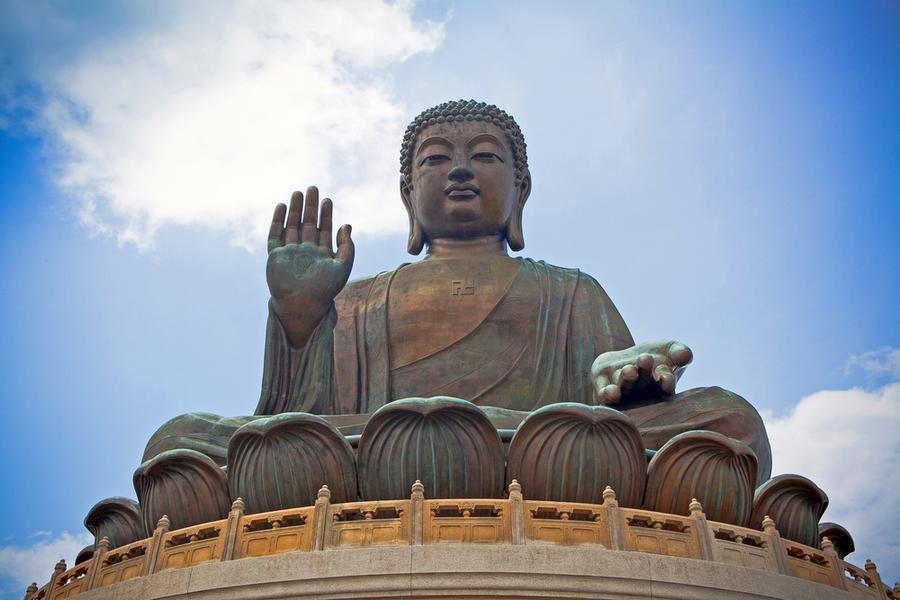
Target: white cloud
[[876, 363], [34, 563], [214, 117], [846, 441]]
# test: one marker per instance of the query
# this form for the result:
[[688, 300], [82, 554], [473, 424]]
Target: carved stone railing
[[417, 521]]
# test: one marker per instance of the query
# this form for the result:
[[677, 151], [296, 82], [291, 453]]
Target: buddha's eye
[[434, 159], [486, 157]]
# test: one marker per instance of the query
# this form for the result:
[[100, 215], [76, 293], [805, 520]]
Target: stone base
[[465, 571]]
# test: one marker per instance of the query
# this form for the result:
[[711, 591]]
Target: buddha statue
[[508, 334]]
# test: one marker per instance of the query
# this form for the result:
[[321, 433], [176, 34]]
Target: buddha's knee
[[204, 432], [730, 414], [710, 408]]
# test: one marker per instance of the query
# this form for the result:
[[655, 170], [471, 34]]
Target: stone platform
[[467, 571]]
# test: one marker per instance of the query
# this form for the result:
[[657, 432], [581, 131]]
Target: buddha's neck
[[487, 245]]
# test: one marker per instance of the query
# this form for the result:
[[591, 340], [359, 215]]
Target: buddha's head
[[464, 174]]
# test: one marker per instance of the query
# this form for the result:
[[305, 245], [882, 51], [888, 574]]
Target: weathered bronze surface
[[840, 537], [718, 471], [187, 486], [795, 504], [84, 554], [281, 462], [118, 519], [468, 321], [448, 444], [570, 452]]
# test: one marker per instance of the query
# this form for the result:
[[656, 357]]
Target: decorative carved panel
[[568, 524], [189, 547], [276, 532], [123, 563]]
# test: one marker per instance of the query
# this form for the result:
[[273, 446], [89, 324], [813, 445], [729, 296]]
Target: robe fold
[[534, 347]]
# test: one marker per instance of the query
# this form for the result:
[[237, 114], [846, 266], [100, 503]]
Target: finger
[[345, 247], [291, 233], [610, 394], [600, 382], [308, 230], [645, 364], [680, 355], [276, 230], [664, 377], [325, 224], [625, 377]]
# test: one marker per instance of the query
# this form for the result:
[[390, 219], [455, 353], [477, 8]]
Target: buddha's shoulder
[[584, 288], [356, 291], [569, 274]]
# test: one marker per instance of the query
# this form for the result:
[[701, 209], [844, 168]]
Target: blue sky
[[729, 172]]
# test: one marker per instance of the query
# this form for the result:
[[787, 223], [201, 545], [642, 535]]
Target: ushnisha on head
[[464, 174]]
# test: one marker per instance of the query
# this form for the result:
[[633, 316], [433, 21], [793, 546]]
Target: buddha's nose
[[460, 174]]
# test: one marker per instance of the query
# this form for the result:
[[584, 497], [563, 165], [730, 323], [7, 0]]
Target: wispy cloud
[[884, 362], [212, 117], [22, 565], [846, 441]]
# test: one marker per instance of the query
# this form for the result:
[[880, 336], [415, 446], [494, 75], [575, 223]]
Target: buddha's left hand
[[642, 372]]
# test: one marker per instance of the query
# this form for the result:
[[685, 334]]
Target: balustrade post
[[320, 524], [775, 545], [827, 546], [872, 570], [516, 513], [58, 570], [100, 549], [417, 514], [31, 590], [233, 530], [615, 520], [704, 535], [156, 545]]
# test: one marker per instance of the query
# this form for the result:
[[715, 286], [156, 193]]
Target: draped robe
[[534, 347]]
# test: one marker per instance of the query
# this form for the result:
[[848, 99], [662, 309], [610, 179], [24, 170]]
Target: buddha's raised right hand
[[304, 273]]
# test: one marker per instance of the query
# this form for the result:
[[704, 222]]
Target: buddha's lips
[[461, 193]]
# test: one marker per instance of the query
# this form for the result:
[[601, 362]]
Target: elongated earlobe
[[416, 240], [515, 236]]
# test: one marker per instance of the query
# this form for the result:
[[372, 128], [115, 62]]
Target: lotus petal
[[795, 504], [569, 452], [281, 462], [119, 519], [448, 444], [185, 485], [717, 470]]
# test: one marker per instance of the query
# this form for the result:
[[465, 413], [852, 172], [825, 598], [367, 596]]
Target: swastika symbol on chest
[[462, 287]]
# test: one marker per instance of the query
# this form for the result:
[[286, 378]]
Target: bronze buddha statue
[[468, 321]]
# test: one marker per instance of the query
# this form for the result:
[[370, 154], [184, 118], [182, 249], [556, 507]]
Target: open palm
[[303, 271]]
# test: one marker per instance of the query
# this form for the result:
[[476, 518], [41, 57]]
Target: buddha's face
[[463, 181]]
